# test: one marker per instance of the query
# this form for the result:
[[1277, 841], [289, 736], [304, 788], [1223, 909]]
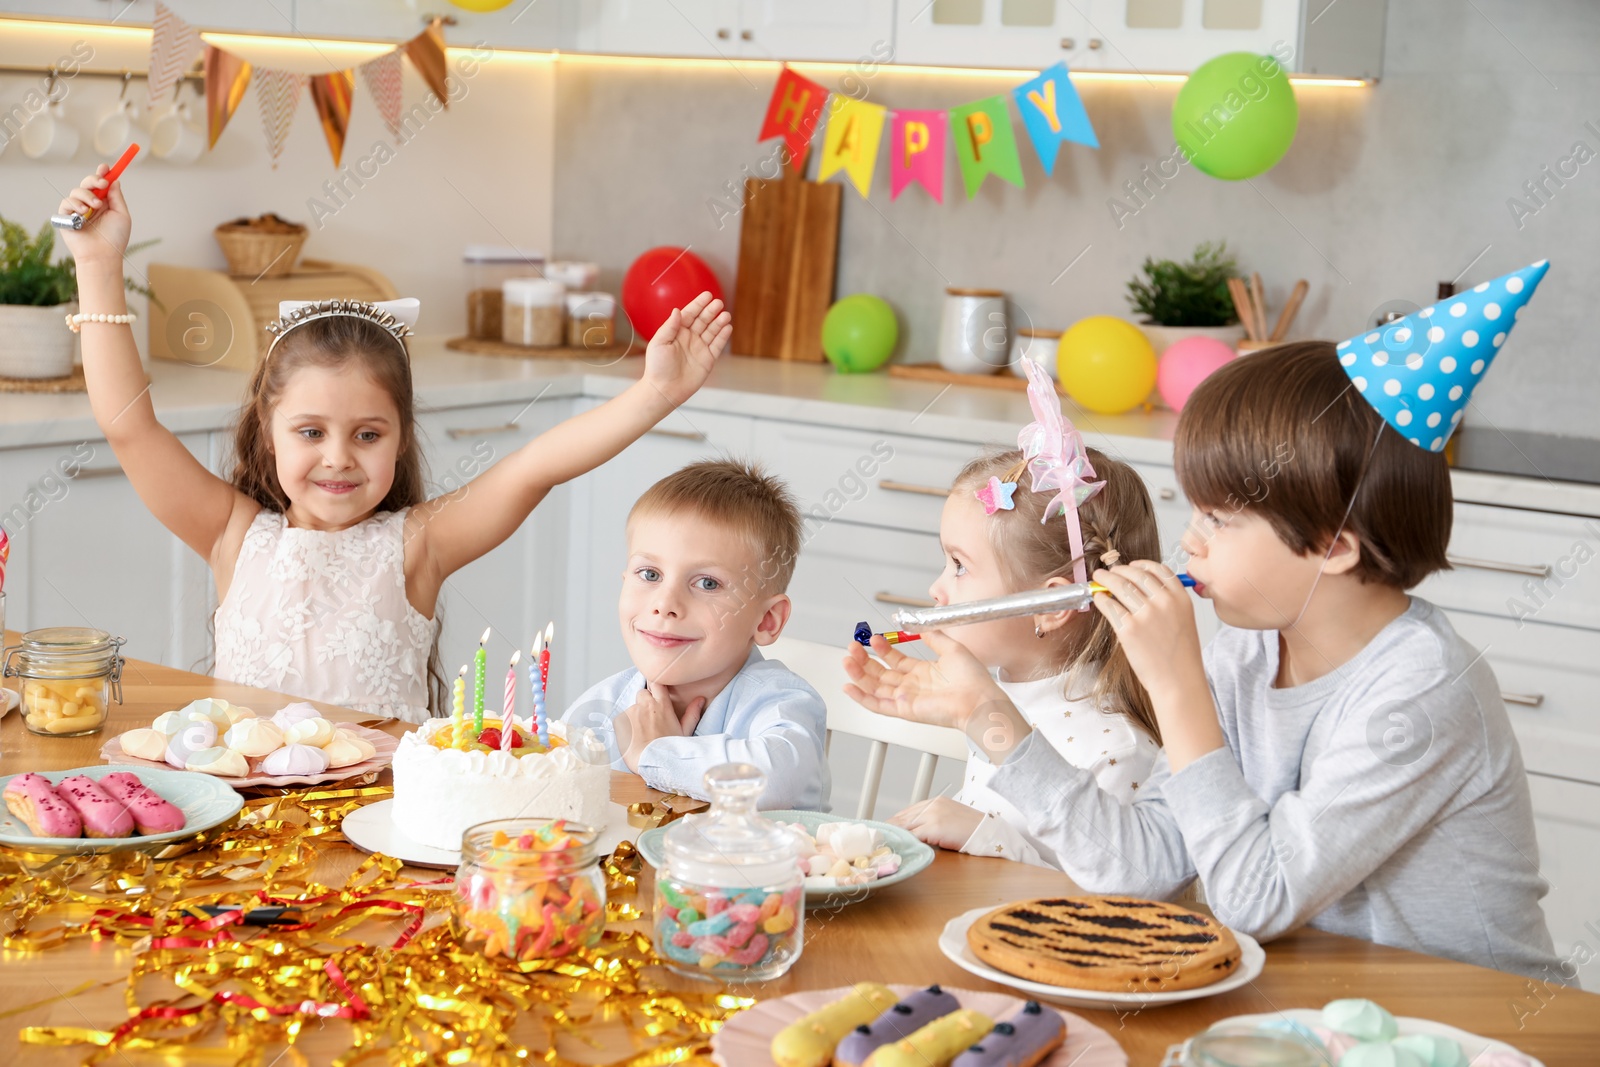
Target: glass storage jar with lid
[[730, 894], [530, 889], [68, 676]]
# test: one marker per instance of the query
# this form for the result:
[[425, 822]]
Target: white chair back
[[822, 666]]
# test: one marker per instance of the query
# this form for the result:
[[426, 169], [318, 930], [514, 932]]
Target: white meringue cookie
[[344, 750], [213, 708], [295, 759], [221, 761], [316, 732], [253, 737], [290, 714], [238, 713], [194, 737], [145, 743], [168, 722]]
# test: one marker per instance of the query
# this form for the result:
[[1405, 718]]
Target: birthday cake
[[446, 779]]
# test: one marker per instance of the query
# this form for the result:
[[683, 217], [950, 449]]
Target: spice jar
[[529, 889], [488, 267], [591, 320], [534, 314], [68, 675], [730, 894], [974, 331]]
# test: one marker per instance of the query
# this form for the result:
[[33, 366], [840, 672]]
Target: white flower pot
[[35, 341], [1162, 336]]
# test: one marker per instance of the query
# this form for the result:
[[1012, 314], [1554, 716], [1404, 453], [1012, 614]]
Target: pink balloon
[[1185, 364]]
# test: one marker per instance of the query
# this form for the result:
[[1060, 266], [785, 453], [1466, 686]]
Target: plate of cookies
[[1105, 953], [108, 809], [874, 1025]]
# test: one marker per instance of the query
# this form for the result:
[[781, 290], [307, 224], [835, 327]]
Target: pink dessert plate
[[385, 745]]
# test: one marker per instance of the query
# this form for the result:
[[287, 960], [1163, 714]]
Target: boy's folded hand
[[652, 716], [939, 821]]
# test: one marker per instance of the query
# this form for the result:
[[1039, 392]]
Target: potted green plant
[[1176, 300], [36, 296]]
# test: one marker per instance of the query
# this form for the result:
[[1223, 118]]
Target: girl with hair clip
[[1063, 672], [327, 557]]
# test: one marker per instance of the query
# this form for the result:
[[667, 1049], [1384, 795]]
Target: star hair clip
[[997, 495]]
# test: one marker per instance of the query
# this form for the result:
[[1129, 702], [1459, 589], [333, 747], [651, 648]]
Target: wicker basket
[[266, 247]]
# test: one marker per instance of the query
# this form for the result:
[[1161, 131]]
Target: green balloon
[[1236, 115], [858, 333]]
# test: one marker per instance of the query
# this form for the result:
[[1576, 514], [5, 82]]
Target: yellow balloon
[[1106, 364], [481, 5]]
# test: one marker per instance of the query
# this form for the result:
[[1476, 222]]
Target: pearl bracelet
[[75, 322]]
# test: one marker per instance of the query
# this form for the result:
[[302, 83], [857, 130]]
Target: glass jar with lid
[[530, 889], [730, 894], [533, 313], [488, 267], [68, 676]]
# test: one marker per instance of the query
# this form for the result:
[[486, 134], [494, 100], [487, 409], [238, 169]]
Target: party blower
[[76, 220], [913, 621]]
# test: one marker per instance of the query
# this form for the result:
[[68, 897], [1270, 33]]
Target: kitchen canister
[[533, 313], [591, 320], [1037, 345], [974, 331]]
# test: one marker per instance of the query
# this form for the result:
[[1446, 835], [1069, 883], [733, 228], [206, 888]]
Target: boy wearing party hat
[[1338, 756]]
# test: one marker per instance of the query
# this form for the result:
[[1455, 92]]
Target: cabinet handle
[[723, 35], [86, 473], [901, 601], [682, 435], [912, 487], [1095, 42], [1537, 570], [1527, 700], [746, 35], [1168, 493], [1068, 43], [457, 433]]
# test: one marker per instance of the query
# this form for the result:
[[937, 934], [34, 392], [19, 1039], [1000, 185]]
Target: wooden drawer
[[879, 479], [1524, 565], [1550, 677], [847, 573], [1566, 816]]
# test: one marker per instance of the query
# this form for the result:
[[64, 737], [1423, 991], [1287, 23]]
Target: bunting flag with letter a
[[1052, 113], [984, 143], [916, 152], [851, 141], [793, 113]]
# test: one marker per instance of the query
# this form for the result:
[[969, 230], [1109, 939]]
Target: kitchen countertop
[[195, 399]]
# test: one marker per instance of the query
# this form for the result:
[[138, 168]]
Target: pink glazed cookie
[[102, 814], [31, 798], [151, 814]]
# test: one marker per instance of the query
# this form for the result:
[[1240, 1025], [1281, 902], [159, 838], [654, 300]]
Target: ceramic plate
[[746, 1040], [953, 943], [204, 800], [1471, 1044], [372, 829], [9, 698], [112, 752], [914, 855]]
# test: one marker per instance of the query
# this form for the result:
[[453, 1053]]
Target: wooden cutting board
[[788, 249]]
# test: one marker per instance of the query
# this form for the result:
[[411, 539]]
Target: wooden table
[[891, 936]]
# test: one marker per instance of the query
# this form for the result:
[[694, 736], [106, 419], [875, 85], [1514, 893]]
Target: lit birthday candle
[[480, 670], [508, 711], [541, 727]]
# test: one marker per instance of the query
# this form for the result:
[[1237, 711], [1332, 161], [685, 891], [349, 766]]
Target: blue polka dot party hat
[[1419, 371]]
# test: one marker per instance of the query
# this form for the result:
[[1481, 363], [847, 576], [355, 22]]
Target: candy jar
[[529, 889], [69, 676], [730, 898]]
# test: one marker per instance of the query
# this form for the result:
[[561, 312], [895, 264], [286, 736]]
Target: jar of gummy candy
[[730, 894], [69, 676], [529, 889]]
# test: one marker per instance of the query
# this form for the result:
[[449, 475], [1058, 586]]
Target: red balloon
[[660, 281]]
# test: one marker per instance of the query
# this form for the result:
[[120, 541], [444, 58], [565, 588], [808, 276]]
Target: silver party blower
[[1032, 602]]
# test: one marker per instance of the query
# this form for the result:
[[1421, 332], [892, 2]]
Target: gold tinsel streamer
[[375, 955]]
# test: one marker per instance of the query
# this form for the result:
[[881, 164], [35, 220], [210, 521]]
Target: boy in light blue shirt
[[711, 549]]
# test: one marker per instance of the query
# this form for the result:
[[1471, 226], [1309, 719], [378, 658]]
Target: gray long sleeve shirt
[[1386, 801]]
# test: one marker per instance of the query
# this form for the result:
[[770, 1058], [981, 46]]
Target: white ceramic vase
[[1162, 336], [35, 341]]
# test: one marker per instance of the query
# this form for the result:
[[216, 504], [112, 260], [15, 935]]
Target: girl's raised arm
[[189, 500]]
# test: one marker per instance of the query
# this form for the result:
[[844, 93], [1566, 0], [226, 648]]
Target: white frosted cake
[[444, 784]]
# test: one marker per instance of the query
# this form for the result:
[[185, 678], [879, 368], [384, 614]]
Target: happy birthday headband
[[396, 317], [1053, 452]]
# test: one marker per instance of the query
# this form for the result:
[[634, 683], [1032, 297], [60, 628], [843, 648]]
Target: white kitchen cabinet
[[85, 551], [994, 33], [597, 554], [847, 573], [1566, 816], [525, 24], [1526, 565], [240, 16], [841, 30], [1180, 35], [519, 586]]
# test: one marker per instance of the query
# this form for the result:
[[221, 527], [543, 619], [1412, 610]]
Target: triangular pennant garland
[[278, 93], [1052, 113], [793, 113], [851, 142], [227, 76], [383, 77], [916, 152], [332, 93], [173, 45], [985, 144], [426, 52]]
